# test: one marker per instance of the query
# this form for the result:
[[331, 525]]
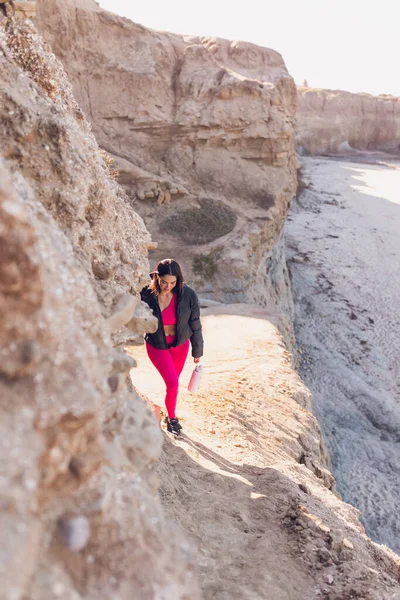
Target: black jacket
[[188, 325]]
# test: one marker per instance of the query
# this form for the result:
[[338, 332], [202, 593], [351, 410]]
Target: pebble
[[113, 382], [304, 488], [347, 544], [75, 532]]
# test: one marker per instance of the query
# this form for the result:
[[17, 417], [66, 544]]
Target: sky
[[336, 44]]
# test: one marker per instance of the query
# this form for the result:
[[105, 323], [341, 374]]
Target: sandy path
[[232, 481], [222, 452], [346, 230]]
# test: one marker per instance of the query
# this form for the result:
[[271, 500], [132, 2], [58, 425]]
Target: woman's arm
[[196, 339]]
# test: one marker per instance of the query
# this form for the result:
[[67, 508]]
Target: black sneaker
[[173, 426]]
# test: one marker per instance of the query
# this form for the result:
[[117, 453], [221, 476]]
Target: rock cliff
[[202, 132], [78, 512], [335, 121]]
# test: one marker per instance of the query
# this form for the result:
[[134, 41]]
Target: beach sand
[[343, 245]]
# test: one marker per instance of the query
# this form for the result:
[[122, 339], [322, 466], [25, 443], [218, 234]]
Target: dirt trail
[[232, 481], [343, 237]]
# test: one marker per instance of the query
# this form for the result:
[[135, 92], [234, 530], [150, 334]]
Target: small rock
[[329, 579], [298, 259], [113, 383], [304, 488], [347, 544], [75, 532], [103, 270], [122, 362]]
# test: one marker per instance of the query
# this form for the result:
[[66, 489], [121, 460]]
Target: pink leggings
[[169, 363]]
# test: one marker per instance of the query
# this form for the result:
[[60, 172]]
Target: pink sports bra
[[169, 314]]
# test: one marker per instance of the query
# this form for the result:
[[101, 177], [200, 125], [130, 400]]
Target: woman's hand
[[196, 360]]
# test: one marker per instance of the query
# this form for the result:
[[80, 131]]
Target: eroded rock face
[[78, 512], [336, 121], [202, 132]]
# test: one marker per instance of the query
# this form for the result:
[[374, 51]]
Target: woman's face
[[166, 283]]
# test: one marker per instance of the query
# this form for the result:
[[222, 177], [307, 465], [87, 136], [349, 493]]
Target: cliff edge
[[334, 121], [202, 130]]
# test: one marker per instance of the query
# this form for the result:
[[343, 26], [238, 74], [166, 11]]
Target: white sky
[[338, 44]]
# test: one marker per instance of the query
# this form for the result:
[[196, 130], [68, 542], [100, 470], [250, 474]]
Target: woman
[[177, 308]]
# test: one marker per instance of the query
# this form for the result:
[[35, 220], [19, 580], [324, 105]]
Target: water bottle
[[195, 379]]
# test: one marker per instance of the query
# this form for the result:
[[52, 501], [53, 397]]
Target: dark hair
[[168, 266]]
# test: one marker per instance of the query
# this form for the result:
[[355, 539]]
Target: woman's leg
[[179, 356], [162, 360]]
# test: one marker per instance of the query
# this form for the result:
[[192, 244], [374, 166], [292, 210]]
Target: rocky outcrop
[[202, 133], [79, 513], [335, 121]]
